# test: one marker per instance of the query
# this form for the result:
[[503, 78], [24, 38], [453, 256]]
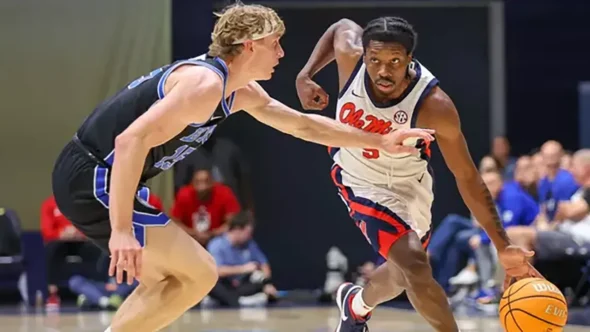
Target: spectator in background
[[62, 239], [501, 153], [578, 209], [204, 207], [557, 184], [566, 161], [567, 236], [227, 164], [525, 177], [95, 294], [516, 209], [539, 166], [457, 238], [488, 164], [244, 272]]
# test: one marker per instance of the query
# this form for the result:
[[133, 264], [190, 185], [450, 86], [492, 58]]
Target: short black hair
[[390, 29], [240, 221]]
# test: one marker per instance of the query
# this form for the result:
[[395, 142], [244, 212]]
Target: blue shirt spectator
[[228, 254], [551, 192], [515, 207]]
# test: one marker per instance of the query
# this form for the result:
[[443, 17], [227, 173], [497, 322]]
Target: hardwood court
[[247, 320]]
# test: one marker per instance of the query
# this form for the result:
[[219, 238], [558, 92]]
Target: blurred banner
[[299, 213], [61, 58]]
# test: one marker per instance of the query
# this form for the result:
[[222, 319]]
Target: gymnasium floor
[[320, 319]]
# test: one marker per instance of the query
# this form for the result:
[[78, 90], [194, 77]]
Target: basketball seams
[[521, 287], [539, 318], [531, 296], [510, 306]]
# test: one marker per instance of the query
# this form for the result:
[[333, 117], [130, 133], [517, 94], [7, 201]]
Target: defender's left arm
[[439, 112], [314, 128]]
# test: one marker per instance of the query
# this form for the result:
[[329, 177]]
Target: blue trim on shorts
[[140, 220]]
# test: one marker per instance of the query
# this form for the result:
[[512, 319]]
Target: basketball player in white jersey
[[389, 195]]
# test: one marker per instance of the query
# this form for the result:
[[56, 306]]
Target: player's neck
[[238, 76]]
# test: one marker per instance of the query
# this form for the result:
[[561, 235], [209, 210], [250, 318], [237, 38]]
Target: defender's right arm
[[191, 98], [341, 42]]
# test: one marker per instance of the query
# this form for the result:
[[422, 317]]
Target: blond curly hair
[[240, 22]]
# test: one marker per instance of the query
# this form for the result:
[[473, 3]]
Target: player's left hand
[[514, 259], [394, 141]]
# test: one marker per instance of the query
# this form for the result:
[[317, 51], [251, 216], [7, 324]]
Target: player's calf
[[425, 294]]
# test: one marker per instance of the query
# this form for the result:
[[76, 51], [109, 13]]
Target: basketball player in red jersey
[[383, 88]]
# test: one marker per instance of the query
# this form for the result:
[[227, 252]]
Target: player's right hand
[[125, 256], [311, 95]]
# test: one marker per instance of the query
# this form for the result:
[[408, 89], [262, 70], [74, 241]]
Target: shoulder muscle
[[192, 97]]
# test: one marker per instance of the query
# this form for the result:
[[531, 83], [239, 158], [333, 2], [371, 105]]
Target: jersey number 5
[[371, 153]]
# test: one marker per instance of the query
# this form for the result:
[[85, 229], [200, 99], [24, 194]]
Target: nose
[[280, 52], [384, 73]]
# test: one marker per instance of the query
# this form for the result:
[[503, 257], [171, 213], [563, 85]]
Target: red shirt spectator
[[54, 225], [204, 206]]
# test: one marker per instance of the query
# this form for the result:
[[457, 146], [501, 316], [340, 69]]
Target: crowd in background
[[542, 199]]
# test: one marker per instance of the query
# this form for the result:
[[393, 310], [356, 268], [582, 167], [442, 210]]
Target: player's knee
[[203, 274], [416, 269]]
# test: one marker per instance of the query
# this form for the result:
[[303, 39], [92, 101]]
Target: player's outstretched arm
[[165, 119], [439, 112], [341, 42], [319, 129]]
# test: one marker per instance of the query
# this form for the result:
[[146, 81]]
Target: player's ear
[[248, 46]]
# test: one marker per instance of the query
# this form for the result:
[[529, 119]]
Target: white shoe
[[464, 278], [258, 299]]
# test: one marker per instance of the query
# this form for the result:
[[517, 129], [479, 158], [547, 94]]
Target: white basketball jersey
[[357, 108]]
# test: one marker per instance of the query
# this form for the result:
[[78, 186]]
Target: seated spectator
[[488, 164], [458, 239], [204, 207], [566, 161], [228, 166], [501, 153], [558, 184], [244, 272], [61, 239], [571, 229], [525, 177], [516, 209], [563, 243], [539, 166], [95, 294]]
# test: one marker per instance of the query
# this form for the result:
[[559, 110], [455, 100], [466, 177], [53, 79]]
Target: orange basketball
[[533, 304]]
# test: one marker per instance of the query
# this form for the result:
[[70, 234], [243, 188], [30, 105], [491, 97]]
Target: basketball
[[533, 304]]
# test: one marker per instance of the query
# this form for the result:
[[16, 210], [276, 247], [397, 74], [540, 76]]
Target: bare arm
[[574, 210], [310, 127], [341, 42], [439, 112], [165, 119]]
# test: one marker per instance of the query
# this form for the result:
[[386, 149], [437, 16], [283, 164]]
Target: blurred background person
[[203, 207]]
